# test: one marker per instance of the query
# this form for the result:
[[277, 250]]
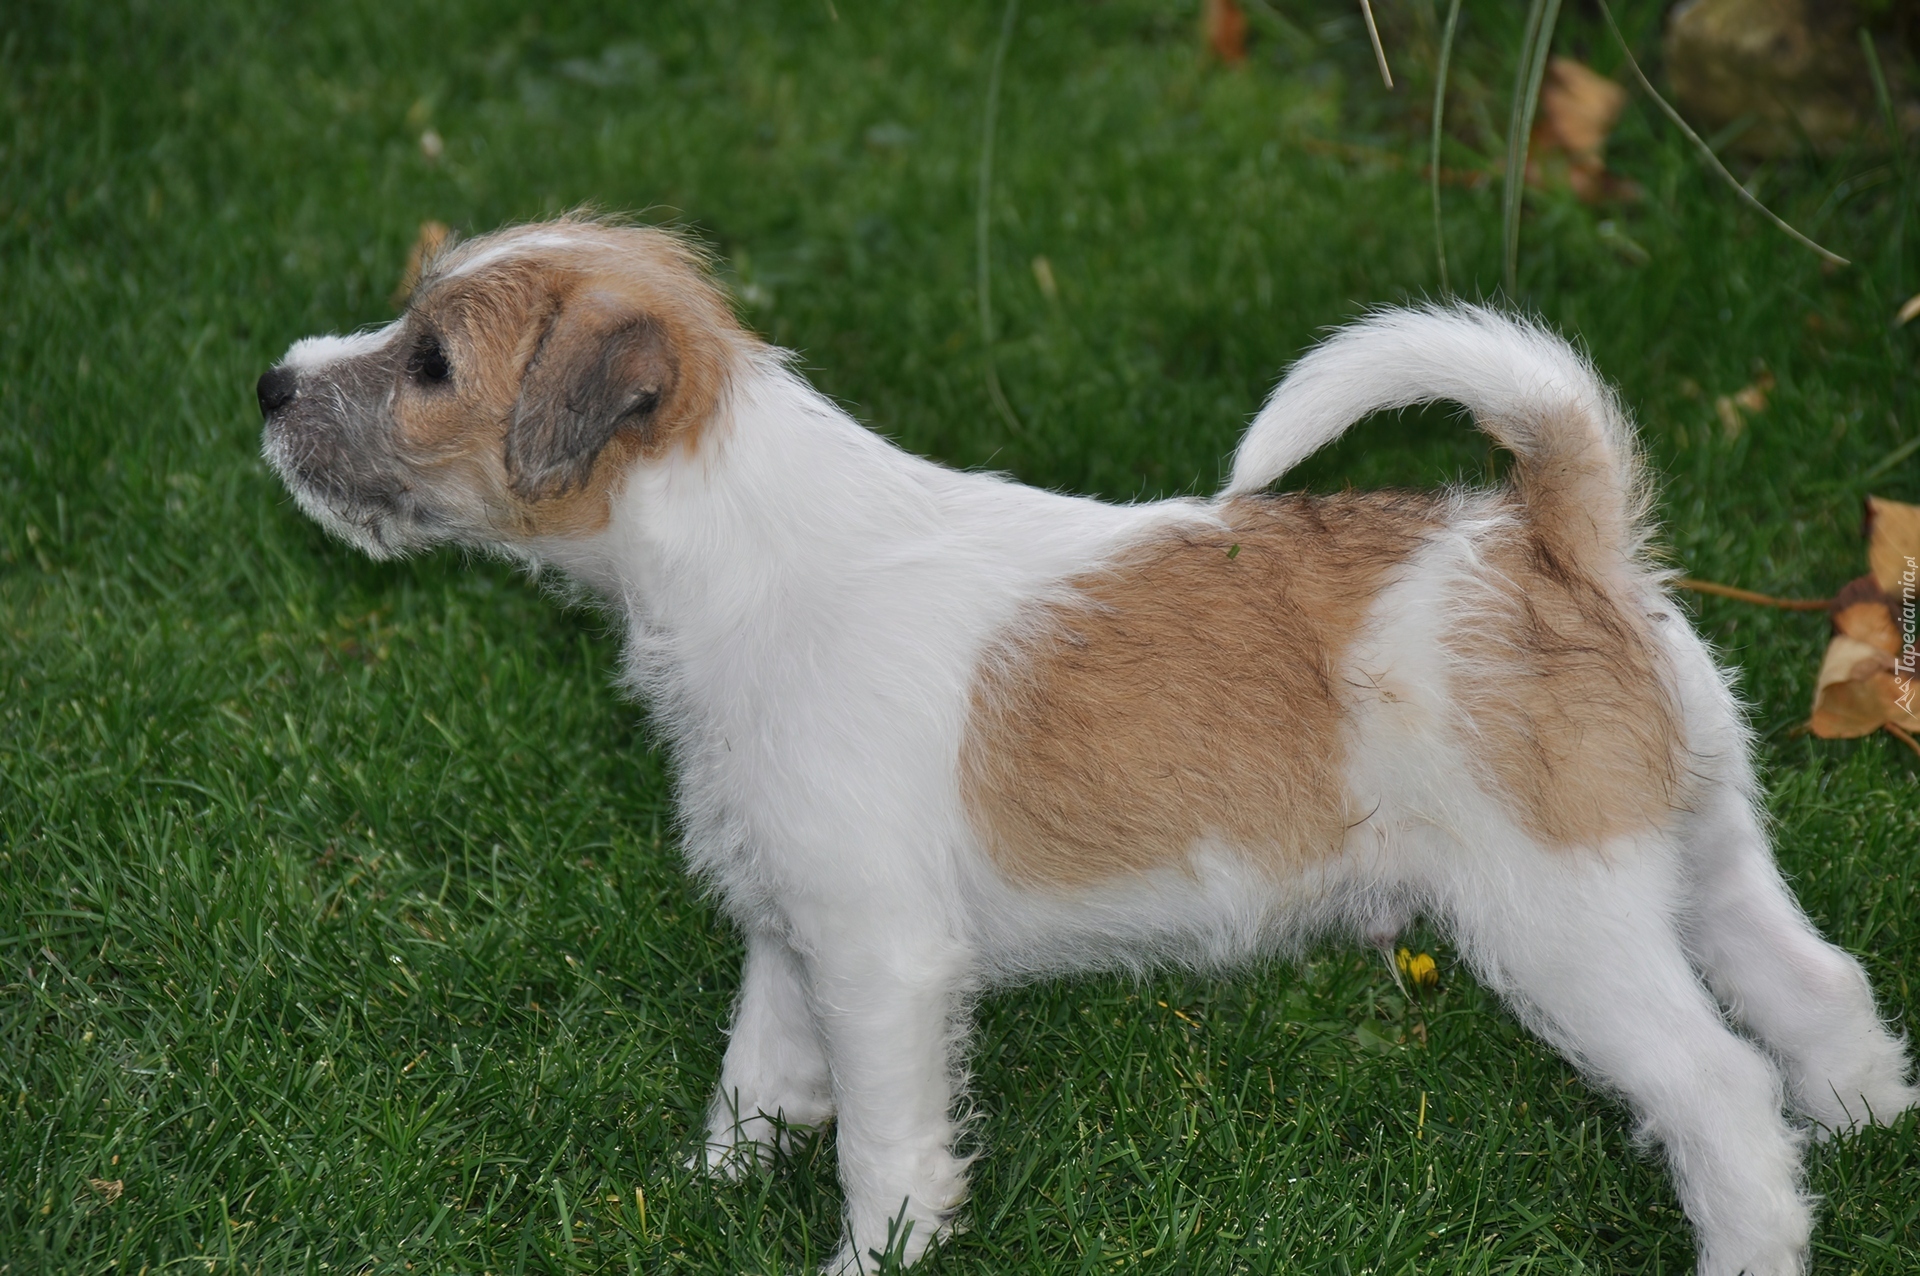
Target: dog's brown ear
[[600, 370]]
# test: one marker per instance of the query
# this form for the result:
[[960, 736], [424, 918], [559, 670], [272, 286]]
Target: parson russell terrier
[[937, 731]]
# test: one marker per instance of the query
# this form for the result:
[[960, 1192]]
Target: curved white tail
[[1578, 471]]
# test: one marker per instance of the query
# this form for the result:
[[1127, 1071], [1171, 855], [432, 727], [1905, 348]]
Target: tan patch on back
[[1567, 701], [1189, 693]]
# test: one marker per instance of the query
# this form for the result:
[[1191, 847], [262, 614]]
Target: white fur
[[310, 353], [808, 609], [1505, 370], [509, 245]]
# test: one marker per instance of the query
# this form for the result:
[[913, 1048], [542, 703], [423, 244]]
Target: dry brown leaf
[[1753, 398], [1731, 422], [1909, 310], [425, 244], [1226, 27], [1581, 106], [1043, 277], [109, 1189], [1732, 409], [1870, 623], [1845, 701], [1868, 678], [1578, 109], [1893, 545]]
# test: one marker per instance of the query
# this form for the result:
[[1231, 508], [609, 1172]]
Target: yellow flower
[[1420, 970]]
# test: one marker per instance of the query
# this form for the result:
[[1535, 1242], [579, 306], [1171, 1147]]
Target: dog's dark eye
[[429, 362]]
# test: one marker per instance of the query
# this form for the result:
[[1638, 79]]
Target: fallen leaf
[[1043, 276], [1226, 27], [1845, 701], [1908, 311], [1580, 106], [1733, 409], [109, 1189], [1753, 398], [1870, 623], [1868, 679], [1731, 422], [432, 236], [1893, 543], [1578, 109]]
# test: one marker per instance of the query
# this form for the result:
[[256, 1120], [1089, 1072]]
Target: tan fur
[[1183, 695], [1565, 699], [1190, 691], [493, 319]]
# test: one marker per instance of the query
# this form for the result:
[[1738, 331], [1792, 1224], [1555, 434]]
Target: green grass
[[340, 918]]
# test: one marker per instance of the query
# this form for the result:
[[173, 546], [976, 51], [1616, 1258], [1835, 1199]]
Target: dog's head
[[533, 369]]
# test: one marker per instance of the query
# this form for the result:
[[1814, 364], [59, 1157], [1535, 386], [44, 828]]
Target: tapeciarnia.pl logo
[[1903, 665]]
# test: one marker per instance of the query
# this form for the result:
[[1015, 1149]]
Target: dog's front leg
[[775, 1074], [887, 1013]]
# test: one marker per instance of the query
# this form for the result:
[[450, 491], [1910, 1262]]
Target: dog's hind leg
[[775, 1073], [1808, 1001], [1585, 947]]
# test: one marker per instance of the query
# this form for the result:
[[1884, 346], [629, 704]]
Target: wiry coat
[[935, 731]]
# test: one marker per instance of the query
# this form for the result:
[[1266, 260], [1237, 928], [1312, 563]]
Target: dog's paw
[[735, 1149], [915, 1226], [850, 1260], [1872, 1092], [846, 1262], [1835, 1118], [1772, 1240], [1789, 1262], [730, 1162]]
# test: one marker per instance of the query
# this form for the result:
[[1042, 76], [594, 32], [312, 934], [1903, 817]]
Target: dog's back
[[1234, 686]]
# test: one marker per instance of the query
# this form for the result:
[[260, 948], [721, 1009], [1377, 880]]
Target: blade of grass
[[983, 231], [1535, 44], [1379, 52], [1439, 115], [1881, 96], [1899, 144], [1302, 43], [1892, 459], [1666, 108]]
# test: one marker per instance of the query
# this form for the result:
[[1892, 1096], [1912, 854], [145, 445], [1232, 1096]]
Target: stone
[[1792, 69]]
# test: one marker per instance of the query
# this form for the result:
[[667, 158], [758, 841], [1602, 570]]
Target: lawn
[[341, 923]]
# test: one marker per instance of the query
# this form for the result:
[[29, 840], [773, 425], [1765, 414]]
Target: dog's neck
[[784, 502]]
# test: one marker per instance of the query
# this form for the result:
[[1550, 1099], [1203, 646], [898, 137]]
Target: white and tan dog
[[936, 731]]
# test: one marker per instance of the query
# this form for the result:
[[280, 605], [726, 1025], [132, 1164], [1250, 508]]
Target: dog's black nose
[[276, 389]]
